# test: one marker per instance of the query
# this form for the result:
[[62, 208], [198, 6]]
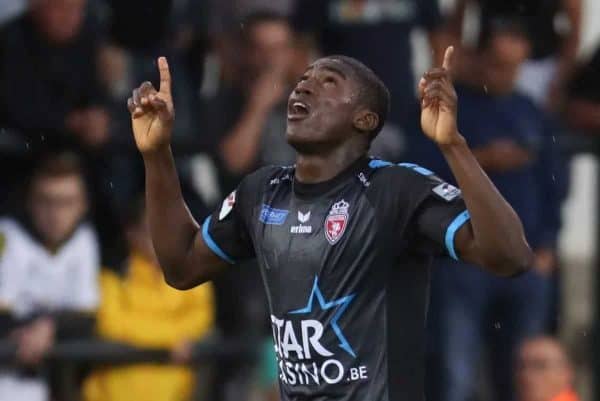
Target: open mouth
[[298, 110]]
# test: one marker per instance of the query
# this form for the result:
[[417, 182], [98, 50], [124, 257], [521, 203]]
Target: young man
[[343, 242], [49, 266], [544, 371]]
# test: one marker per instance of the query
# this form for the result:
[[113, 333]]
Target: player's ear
[[366, 121]]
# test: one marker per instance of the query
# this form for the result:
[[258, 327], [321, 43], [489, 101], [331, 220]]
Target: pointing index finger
[[447, 64], [165, 76]]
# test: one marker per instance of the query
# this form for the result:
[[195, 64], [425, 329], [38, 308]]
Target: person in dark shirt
[[343, 241], [363, 29], [49, 88], [246, 117], [512, 140], [554, 30], [583, 104]]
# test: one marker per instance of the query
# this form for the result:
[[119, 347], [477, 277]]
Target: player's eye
[[303, 78], [329, 81]]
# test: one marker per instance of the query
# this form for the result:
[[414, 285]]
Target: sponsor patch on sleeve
[[446, 191], [227, 206]]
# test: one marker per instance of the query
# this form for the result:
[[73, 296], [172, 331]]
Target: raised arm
[[185, 259], [494, 237]]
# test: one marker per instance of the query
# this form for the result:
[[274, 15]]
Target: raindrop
[[43, 138], [27, 145], [497, 325], [111, 184], [585, 333], [553, 178], [553, 139], [485, 89]]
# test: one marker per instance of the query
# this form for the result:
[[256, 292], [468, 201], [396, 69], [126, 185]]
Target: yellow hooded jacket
[[141, 309]]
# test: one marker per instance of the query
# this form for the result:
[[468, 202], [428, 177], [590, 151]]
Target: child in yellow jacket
[[140, 309]]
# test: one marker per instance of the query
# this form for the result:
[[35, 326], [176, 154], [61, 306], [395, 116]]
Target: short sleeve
[[225, 231], [439, 215]]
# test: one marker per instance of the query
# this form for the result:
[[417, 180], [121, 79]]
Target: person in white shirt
[[49, 264]]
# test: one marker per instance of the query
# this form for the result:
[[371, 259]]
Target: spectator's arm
[[430, 19], [73, 324], [455, 20], [584, 115], [239, 149], [501, 155], [568, 52]]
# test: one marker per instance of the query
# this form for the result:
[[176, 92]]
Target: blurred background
[[84, 311]]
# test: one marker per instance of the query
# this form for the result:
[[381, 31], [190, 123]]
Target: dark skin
[[329, 135]]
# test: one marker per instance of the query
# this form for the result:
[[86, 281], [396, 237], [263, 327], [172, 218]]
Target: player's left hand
[[439, 103]]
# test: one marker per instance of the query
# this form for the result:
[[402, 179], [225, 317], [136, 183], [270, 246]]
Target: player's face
[[321, 107], [56, 206]]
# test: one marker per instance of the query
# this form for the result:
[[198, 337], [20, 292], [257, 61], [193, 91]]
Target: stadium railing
[[67, 358]]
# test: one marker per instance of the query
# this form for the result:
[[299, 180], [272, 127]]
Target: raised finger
[[448, 59], [165, 76]]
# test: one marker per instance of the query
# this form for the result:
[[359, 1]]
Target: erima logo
[[302, 229]]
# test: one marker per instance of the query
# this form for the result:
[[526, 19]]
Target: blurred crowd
[[76, 259]]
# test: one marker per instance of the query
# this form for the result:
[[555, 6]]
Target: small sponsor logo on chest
[[302, 228], [270, 215]]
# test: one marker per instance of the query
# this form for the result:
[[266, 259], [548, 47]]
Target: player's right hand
[[152, 112]]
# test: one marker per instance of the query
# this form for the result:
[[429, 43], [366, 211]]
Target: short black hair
[[374, 94], [514, 26], [58, 165]]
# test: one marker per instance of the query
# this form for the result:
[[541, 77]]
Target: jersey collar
[[321, 188]]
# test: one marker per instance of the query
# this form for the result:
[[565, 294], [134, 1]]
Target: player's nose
[[303, 88]]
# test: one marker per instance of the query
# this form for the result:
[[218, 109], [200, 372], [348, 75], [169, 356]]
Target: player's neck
[[313, 168]]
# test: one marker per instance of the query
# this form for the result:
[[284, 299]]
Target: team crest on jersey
[[336, 221], [227, 206]]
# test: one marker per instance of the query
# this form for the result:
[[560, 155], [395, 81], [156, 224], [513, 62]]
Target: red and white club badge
[[336, 221]]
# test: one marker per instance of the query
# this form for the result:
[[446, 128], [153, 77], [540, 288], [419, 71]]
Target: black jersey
[[345, 264]]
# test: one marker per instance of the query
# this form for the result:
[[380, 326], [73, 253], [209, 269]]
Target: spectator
[[140, 309], [48, 274], [554, 30], [583, 106], [49, 89], [247, 118], [377, 32], [544, 372], [511, 139]]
